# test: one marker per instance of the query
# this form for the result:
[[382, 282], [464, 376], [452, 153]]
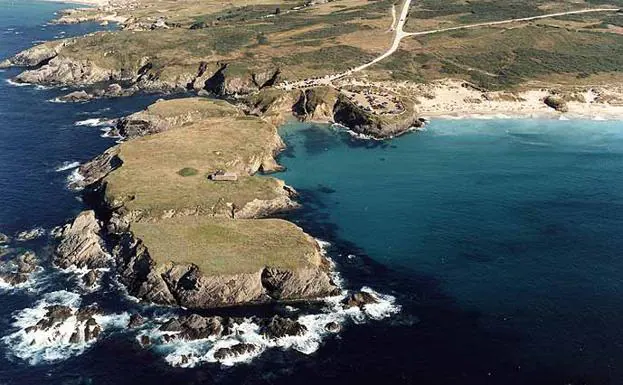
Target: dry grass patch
[[149, 179], [223, 246]]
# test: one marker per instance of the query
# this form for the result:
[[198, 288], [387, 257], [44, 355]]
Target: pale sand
[[449, 99], [93, 3]]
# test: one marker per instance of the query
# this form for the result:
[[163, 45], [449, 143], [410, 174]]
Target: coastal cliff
[[177, 238]]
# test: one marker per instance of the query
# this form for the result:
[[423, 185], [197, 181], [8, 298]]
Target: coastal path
[[400, 34]]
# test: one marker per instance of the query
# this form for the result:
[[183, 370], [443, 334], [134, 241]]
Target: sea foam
[[192, 353], [68, 165], [37, 346], [94, 122]]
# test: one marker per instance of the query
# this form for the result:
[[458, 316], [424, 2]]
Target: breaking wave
[[192, 353], [74, 178], [17, 84], [67, 166], [94, 122], [37, 345]]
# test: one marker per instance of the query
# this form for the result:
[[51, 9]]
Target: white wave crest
[[29, 235], [17, 84], [192, 353], [94, 122], [67, 166], [37, 346], [74, 177]]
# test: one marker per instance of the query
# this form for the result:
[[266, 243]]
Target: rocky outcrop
[[136, 320], [17, 271], [195, 327], [261, 208], [235, 79], [282, 284], [359, 299], [68, 72], [76, 96], [96, 169], [185, 285], [316, 104], [278, 327], [556, 102], [81, 244], [234, 351], [370, 124], [29, 235], [37, 55], [60, 319]]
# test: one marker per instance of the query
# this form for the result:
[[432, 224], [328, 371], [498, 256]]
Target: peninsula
[[182, 207]]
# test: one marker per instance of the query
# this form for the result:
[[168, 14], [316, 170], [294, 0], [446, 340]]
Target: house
[[221, 175]]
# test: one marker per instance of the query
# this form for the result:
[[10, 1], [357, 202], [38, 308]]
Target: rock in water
[[90, 279], [235, 351], [332, 327], [27, 263], [4, 239], [359, 299], [194, 327], [14, 279], [81, 244], [76, 96], [29, 235], [279, 327], [136, 320]]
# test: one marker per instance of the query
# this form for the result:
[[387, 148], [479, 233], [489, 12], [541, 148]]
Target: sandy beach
[[456, 99], [93, 3]]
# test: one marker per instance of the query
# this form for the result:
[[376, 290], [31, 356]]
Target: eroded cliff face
[[65, 71], [236, 79], [363, 122], [185, 285], [181, 284], [316, 104], [37, 55]]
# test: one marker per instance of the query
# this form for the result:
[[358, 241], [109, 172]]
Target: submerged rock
[[4, 239], [30, 235]]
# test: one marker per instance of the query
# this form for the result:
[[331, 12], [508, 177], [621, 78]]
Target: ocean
[[498, 240]]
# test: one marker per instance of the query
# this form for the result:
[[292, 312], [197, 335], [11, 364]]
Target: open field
[[166, 173], [222, 246]]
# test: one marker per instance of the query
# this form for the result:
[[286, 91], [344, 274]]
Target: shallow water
[[499, 239]]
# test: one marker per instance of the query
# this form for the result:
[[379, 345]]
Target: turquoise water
[[520, 222], [500, 239]]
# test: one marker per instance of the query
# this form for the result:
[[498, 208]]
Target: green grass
[[166, 171], [224, 246], [188, 171]]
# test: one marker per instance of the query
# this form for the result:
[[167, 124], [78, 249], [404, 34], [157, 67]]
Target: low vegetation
[[222, 246]]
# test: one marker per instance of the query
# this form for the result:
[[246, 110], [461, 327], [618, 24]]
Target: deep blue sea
[[500, 239]]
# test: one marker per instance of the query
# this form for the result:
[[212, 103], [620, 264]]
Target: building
[[223, 176]]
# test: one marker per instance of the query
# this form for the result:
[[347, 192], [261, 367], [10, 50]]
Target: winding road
[[400, 34]]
